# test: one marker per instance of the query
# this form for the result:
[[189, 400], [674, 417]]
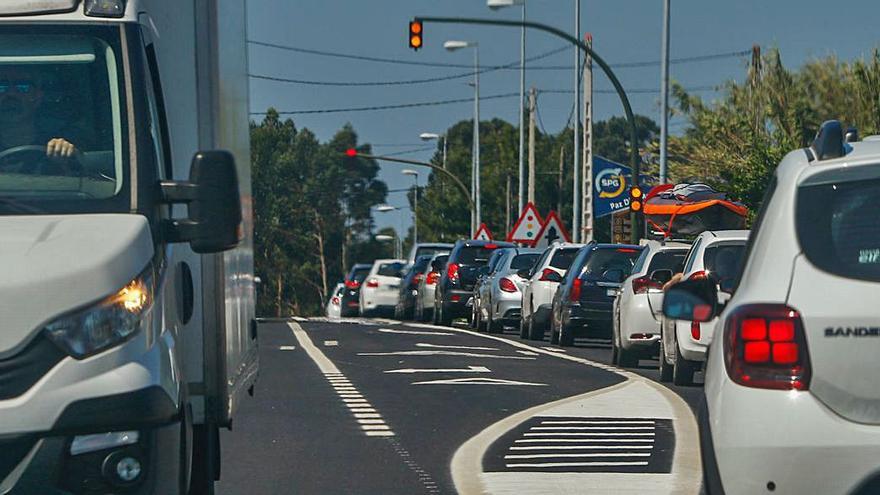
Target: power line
[[391, 107], [483, 70], [628, 91], [624, 65]]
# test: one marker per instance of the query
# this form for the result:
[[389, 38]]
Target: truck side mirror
[[213, 203], [692, 300]]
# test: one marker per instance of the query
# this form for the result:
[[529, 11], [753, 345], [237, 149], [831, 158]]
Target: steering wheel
[[38, 160]]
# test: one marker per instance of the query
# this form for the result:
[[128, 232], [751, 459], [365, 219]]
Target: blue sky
[[623, 31]]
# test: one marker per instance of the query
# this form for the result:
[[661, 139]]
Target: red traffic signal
[[415, 34], [351, 152], [636, 202]]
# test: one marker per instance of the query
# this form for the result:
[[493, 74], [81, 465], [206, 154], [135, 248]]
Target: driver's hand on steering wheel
[[60, 148]]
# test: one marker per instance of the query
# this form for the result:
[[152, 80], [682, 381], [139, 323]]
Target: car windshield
[[522, 261], [604, 259], [359, 274], [724, 260], [61, 121], [474, 255], [430, 251], [390, 269], [562, 258]]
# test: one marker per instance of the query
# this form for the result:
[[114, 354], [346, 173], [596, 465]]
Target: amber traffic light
[[636, 203], [415, 34]]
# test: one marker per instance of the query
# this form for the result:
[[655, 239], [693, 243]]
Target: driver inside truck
[[24, 116]]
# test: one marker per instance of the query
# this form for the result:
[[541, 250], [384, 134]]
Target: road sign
[[612, 182], [483, 233], [553, 231], [620, 228], [527, 226]]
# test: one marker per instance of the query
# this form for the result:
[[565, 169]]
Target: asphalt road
[[385, 408]]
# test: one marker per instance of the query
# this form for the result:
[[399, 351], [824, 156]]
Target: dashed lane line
[[443, 353], [414, 332], [464, 347]]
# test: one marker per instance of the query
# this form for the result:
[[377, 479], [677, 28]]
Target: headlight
[[108, 323]]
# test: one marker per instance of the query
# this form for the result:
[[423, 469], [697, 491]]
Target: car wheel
[[492, 326], [615, 351], [536, 332], [627, 358], [683, 370], [566, 336], [523, 328], [443, 319], [665, 368]]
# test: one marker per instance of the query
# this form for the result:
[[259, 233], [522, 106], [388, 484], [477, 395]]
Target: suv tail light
[[432, 278], [695, 330], [546, 272], [507, 285], [335, 301], [373, 283], [642, 284], [700, 275], [352, 284], [575, 294], [766, 347], [452, 272], [415, 280]]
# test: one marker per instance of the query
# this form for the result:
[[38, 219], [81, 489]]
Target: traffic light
[[636, 202], [350, 160], [415, 34]]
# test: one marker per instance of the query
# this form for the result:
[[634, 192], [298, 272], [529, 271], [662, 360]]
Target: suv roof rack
[[829, 142]]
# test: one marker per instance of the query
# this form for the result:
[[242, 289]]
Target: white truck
[[127, 329]]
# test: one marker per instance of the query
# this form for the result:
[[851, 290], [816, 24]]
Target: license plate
[[611, 292], [394, 286]]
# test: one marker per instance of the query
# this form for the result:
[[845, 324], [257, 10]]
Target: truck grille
[[20, 372]]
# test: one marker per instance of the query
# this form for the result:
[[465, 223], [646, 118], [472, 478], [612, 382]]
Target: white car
[[334, 304], [427, 285], [792, 403], [716, 255], [542, 280], [380, 288], [636, 329]]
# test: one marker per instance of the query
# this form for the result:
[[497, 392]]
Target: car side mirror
[[616, 275], [661, 276], [525, 273], [551, 276], [727, 285], [691, 300], [213, 203]]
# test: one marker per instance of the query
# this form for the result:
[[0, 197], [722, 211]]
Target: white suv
[[380, 288], [636, 329], [542, 280], [716, 255], [792, 402]]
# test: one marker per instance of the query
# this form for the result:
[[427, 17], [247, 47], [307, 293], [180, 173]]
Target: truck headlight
[[107, 323]]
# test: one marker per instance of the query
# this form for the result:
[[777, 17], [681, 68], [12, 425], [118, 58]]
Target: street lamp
[[389, 238], [415, 176], [430, 136], [496, 5], [452, 46]]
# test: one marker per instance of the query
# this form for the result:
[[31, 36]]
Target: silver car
[[498, 294], [427, 285]]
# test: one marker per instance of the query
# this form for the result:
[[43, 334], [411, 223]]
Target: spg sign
[[611, 184]]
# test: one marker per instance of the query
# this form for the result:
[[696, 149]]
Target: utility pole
[[664, 96], [587, 196], [576, 192], [533, 105], [507, 210], [559, 178]]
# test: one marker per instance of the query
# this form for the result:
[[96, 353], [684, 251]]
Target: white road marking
[[413, 332], [591, 434], [469, 369], [580, 447], [287, 348], [597, 422], [365, 414], [576, 464], [554, 349], [435, 346], [584, 440], [589, 428], [479, 381], [442, 353], [528, 353], [592, 454]]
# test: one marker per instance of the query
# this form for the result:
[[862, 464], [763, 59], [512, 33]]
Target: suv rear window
[[390, 269], [473, 255], [562, 258], [605, 259], [359, 274], [430, 251], [724, 260], [668, 260], [838, 229], [522, 261]]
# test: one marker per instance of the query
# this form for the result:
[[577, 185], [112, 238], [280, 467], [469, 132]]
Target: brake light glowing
[[700, 275], [575, 294], [546, 273], [415, 280], [432, 278], [695, 330], [507, 285], [765, 347], [452, 272], [373, 283], [642, 284], [627, 250], [335, 301], [491, 246], [352, 284]]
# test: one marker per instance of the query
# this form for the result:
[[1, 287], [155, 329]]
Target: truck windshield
[[61, 120]]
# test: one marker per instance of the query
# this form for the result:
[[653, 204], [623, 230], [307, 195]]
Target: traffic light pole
[[458, 182], [634, 161]]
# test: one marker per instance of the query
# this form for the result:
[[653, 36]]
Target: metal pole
[[416, 211], [664, 94], [477, 133], [532, 176], [576, 192], [587, 194], [444, 150], [522, 118]]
